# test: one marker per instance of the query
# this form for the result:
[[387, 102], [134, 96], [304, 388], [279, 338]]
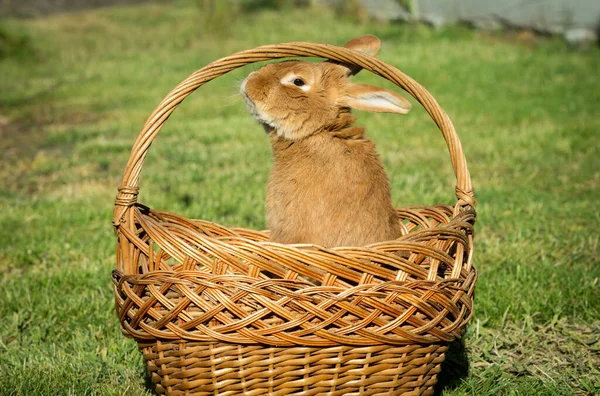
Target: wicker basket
[[223, 311]]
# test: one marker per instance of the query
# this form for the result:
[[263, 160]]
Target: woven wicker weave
[[223, 311]]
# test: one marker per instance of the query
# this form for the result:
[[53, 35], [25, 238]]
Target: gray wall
[[553, 16]]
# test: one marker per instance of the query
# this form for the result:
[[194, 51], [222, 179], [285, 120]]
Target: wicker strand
[[126, 197]]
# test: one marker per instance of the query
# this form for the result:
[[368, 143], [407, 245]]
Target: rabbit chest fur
[[331, 190]]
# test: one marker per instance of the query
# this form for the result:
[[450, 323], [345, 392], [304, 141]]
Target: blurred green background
[[77, 86]]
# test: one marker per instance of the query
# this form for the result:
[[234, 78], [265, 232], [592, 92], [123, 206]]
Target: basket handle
[[128, 190]]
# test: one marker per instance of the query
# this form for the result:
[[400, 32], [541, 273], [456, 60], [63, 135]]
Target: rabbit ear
[[375, 99], [367, 44]]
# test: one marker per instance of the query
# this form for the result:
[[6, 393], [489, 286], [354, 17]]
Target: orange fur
[[327, 186]]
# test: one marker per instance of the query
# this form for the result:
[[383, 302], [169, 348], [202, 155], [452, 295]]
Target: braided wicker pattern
[[259, 370], [224, 311], [235, 286]]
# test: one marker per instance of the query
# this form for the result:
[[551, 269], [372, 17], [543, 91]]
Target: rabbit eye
[[298, 82]]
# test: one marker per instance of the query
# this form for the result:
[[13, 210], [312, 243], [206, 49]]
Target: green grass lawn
[[77, 89]]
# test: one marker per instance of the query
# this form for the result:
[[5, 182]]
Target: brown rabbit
[[328, 186]]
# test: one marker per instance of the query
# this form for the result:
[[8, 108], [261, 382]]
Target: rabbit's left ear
[[367, 44], [375, 99]]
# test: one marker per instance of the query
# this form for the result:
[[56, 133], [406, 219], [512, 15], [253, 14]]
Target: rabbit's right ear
[[369, 98], [367, 44]]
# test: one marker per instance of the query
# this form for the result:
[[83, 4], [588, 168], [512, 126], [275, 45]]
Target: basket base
[[189, 368]]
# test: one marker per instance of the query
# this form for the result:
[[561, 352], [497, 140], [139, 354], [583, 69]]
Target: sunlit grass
[[72, 104]]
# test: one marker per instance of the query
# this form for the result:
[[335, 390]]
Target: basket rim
[[128, 189], [425, 334]]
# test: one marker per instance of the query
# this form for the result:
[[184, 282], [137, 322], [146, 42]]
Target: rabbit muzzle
[[255, 109]]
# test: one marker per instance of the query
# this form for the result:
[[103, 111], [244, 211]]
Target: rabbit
[[327, 186]]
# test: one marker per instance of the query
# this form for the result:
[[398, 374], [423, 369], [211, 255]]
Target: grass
[[74, 97]]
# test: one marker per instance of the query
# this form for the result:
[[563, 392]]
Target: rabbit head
[[297, 99]]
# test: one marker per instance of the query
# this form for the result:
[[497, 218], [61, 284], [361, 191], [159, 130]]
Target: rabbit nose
[[254, 84], [250, 77]]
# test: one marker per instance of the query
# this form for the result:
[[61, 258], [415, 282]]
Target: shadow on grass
[[150, 386], [454, 368]]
